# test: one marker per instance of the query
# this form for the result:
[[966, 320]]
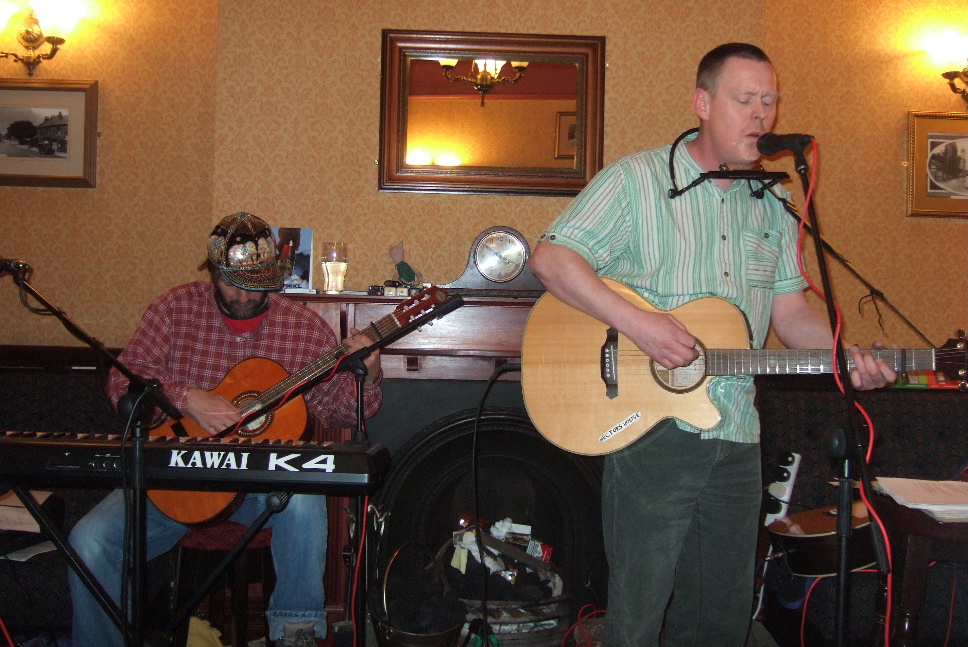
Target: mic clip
[[768, 178]]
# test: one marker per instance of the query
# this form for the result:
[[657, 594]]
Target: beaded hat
[[243, 248]]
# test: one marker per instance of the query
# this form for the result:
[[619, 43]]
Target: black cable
[[498, 372]]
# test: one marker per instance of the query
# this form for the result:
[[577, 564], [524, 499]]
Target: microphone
[[771, 143], [13, 265]]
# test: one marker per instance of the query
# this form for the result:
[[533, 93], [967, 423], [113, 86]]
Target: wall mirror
[[534, 126]]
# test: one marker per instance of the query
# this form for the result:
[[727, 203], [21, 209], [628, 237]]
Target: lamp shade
[[58, 17], [7, 10]]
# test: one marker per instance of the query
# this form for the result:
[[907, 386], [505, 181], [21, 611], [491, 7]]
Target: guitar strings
[[283, 390]]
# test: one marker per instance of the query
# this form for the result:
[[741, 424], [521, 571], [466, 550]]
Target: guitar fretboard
[[784, 361]]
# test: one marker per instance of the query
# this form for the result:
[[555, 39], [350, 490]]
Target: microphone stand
[[357, 537], [847, 449], [872, 290], [146, 395]]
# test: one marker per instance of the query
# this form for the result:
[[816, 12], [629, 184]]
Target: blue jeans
[[680, 518], [299, 535]]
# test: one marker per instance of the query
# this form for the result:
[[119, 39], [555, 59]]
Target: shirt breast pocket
[[762, 248]]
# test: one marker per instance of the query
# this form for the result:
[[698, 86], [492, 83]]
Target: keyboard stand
[[73, 559]]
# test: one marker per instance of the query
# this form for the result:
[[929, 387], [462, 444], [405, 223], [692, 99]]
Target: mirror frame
[[588, 52]]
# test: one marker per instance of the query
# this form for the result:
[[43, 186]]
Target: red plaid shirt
[[183, 342]]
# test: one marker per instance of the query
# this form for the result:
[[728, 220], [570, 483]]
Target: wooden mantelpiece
[[467, 344]]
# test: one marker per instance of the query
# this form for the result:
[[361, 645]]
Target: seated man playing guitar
[[194, 340]]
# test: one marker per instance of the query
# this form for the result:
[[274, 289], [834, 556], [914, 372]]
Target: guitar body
[[810, 544], [566, 396], [242, 385]]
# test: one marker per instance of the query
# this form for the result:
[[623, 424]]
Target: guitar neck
[[374, 332], [807, 362]]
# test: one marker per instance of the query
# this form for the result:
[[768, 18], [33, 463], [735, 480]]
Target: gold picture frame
[[63, 150], [566, 135], [938, 164]]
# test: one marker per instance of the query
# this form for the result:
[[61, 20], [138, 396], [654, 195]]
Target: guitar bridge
[[609, 363]]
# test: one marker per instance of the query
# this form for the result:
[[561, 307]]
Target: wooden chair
[[199, 552]]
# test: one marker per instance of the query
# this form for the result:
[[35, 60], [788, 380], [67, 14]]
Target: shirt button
[[724, 236], [766, 235], [239, 339], [726, 274]]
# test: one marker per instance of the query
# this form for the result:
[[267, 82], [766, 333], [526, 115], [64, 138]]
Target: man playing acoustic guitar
[[190, 339], [680, 505]]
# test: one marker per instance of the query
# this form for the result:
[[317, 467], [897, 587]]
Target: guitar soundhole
[[684, 378], [256, 426]]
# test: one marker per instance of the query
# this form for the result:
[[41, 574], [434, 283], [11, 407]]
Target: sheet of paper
[[916, 492], [24, 554], [13, 514]]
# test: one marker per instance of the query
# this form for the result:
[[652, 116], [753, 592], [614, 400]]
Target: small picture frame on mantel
[[938, 164]]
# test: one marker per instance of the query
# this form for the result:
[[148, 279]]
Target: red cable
[[837, 378], [593, 612], [356, 572], [6, 633], [951, 607]]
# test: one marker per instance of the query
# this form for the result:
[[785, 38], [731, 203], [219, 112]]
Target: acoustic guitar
[[809, 542], [263, 391], [590, 390]]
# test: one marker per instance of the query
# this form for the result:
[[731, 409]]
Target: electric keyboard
[[49, 459]]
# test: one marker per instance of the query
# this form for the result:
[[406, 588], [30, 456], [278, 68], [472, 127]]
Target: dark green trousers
[[680, 517]]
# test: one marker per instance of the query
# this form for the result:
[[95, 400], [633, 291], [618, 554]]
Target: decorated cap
[[243, 248]]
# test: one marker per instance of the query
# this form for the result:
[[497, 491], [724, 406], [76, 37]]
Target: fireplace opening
[[521, 476]]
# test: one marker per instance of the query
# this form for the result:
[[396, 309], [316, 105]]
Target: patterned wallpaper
[[273, 108]]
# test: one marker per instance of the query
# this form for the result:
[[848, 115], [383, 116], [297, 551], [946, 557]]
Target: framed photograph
[[566, 132], [294, 249], [938, 164], [48, 133]]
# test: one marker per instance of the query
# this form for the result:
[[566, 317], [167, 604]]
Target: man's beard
[[239, 310]]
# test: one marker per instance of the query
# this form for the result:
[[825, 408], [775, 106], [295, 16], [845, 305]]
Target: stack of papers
[[943, 500]]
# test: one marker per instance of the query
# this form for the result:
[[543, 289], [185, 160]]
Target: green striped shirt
[[704, 243]]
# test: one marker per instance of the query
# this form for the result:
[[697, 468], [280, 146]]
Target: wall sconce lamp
[[31, 37], [485, 73], [961, 76]]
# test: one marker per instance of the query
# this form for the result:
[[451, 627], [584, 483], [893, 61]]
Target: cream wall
[[273, 108]]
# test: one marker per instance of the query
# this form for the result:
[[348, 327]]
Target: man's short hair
[[712, 63]]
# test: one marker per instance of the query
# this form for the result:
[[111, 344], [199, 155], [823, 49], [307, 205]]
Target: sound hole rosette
[[682, 379], [522, 476], [257, 426]]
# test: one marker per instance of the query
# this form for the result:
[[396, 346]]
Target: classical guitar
[[589, 390], [262, 390]]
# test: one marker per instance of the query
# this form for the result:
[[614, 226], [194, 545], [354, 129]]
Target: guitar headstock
[[952, 360], [431, 302]]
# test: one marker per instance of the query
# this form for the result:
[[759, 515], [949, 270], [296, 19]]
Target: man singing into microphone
[[680, 505], [189, 339]]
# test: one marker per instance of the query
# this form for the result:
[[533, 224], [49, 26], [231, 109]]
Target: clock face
[[500, 256]]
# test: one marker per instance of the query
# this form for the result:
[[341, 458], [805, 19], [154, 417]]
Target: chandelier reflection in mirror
[[485, 73]]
